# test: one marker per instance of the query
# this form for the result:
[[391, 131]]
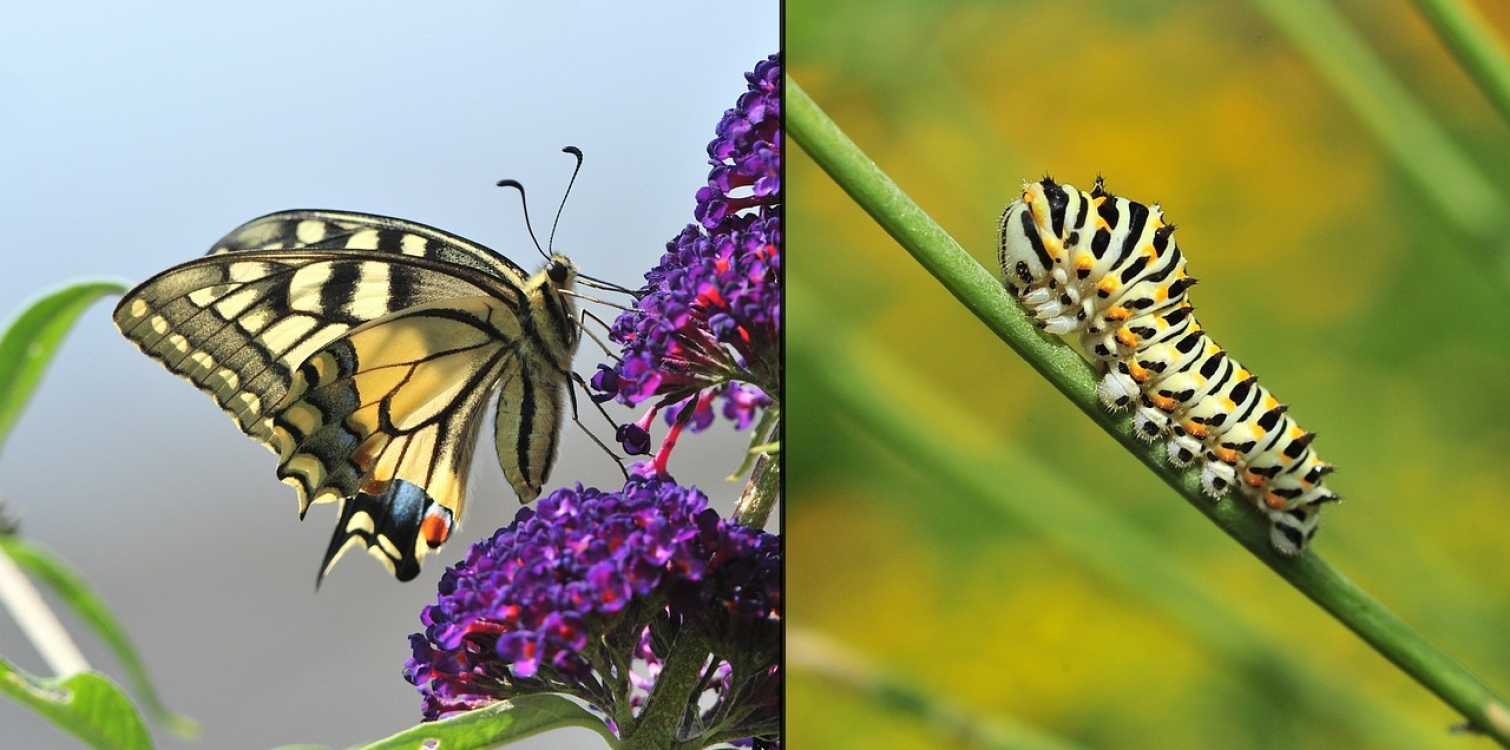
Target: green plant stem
[[37, 620], [760, 494], [1443, 173], [675, 690], [956, 454], [763, 489], [896, 694], [1469, 39], [980, 292]]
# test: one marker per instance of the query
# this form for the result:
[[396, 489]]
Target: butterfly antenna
[[551, 241], [577, 152], [525, 207]]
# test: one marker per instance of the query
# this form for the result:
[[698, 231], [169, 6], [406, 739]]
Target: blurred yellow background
[[1325, 267]]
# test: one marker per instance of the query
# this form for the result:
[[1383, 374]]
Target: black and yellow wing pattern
[[362, 349]]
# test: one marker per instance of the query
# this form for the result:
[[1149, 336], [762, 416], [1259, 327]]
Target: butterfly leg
[[571, 394]]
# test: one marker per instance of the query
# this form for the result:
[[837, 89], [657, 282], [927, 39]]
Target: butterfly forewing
[[361, 349]]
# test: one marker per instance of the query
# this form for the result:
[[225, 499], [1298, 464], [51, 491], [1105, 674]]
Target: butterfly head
[[561, 271]]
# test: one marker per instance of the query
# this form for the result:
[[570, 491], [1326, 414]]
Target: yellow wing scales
[[361, 349]]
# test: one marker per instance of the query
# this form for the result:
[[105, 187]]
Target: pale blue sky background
[[132, 136]]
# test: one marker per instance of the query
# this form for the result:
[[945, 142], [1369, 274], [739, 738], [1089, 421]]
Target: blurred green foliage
[[1323, 269]]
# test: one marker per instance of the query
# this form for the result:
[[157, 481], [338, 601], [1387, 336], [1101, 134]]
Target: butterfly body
[[361, 350]]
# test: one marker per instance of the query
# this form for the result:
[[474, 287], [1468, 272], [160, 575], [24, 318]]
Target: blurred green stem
[[812, 652], [957, 454], [1410, 134], [37, 620], [982, 294], [1466, 35], [763, 490]]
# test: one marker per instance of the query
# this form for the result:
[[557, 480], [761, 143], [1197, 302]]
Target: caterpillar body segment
[[1108, 272]]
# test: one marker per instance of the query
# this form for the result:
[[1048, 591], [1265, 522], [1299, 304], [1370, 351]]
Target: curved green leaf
[[499, 724], [32, 337], [42, 565], [87, 705]]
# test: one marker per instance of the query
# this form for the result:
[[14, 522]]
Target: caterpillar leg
[[1061, 325], [1217, 477], [1291, 530], [1117, 390], [1183, 448], [1054, 310], [1150, 423], [1036, 298]]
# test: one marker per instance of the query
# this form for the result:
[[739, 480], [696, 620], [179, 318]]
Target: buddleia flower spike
[[706, 330], [590, 582]]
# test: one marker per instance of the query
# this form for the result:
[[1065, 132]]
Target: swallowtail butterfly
[[361, 349], [1108, 269]]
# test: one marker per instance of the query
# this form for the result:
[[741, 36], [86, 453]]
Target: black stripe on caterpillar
[[1108, 270]]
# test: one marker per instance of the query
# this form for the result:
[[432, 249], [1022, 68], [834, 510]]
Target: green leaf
[[32, 337], [499, 724], [87, 705], [42, 565]]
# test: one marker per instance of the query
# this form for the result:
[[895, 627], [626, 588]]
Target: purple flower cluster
[[708, 321], [570, 594], [642, 602]]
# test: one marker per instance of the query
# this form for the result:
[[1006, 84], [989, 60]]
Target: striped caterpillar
[[1108, 269]]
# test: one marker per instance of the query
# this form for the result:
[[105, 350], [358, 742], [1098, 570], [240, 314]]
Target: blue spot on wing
[[396, 515]]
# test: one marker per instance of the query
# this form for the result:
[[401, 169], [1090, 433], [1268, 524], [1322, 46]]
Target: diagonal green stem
[[1472, 42], [982, 294], [959, 455], [37, 620], [1403, 125], [900, 696], [1468, 37]]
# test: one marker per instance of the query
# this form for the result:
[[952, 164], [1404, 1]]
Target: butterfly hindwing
[[361, 349], [528, 428], [391, 411]]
